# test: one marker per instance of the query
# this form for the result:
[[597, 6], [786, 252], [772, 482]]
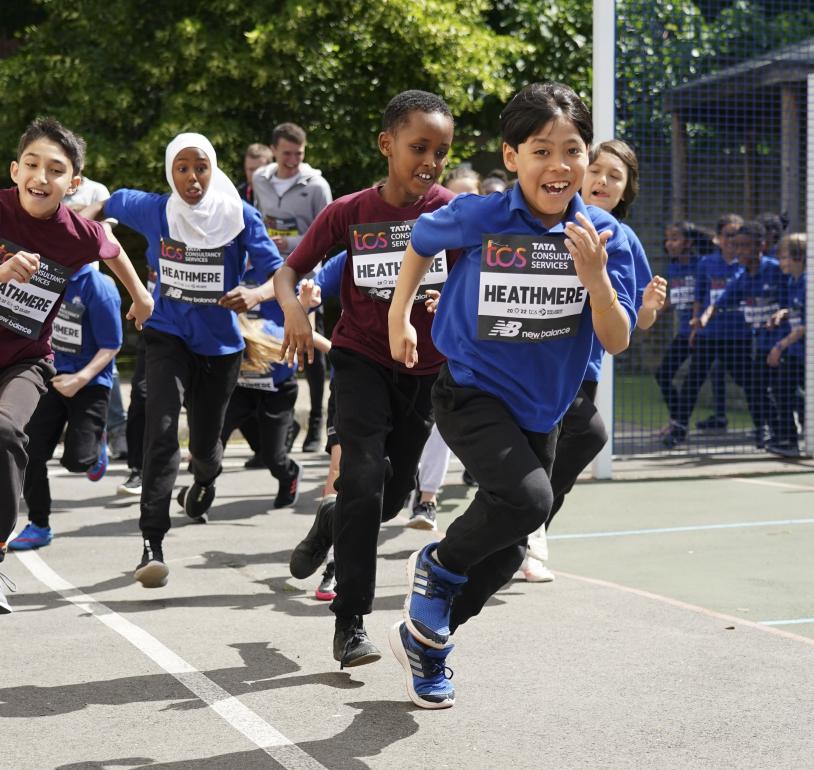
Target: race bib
[[24, 307], [756, 313], [377, 252], [682, 295], [286, 226], [67, 334], [190, 275], [529, 289], [257, 381]]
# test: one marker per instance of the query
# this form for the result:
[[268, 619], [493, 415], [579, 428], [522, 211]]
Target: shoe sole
[[397, 648], [537, 579], [152, 575], [21, 547], [182, 499], [411, 562], [123, 491], [325, 596], [362, 660], [422, 523]]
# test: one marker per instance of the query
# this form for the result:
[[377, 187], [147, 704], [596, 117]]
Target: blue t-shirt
[[796, 291], [644, 275], [537, 381], [269, 310], [756, 298], [276, 373], [209, 330], [714, 273], [681, 285], [92, 316], [329, 279]]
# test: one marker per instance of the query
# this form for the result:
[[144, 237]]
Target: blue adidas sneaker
[[31, 537], [431, 591], [425, 669]]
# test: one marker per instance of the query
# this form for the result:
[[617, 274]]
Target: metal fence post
[[809, 346], [604, 82]]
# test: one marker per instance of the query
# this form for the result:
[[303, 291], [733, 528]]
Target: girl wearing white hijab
[[198, 236]]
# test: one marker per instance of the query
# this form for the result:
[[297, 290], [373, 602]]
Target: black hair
[[399, 108], [539, 103], [700, 239], [289, 131], [625, 153], [727, 219], [52, 129], [775, 224], [752, 229]]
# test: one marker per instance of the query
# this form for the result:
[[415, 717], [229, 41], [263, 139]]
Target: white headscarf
[[218, 217]]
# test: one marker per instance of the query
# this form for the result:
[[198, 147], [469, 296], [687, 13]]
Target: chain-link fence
[[714, 98]]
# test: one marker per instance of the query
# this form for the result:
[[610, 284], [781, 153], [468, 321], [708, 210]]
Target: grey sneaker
[[423, 516], [351, 644]]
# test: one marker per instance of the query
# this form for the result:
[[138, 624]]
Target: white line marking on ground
[[669, 530], [767, 483], [793, 622], [730, 619], [239, 716]]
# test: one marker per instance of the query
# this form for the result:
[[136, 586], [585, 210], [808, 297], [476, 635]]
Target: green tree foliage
[[129, 75]]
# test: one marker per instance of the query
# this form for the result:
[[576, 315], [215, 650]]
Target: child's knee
[[10, 435]]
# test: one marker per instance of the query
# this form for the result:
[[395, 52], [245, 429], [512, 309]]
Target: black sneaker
[[313, 548], [5, 607], [675, 436], [196, 500], [312, 436], [254, 462], [289, 491], [469, 479], [133, 484], [351, 644], [783, 448], [293, 432], [151, 571], [713, 422], [423, 516]]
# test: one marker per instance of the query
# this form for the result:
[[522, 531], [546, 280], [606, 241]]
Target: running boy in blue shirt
[[87, 335], [542, 276]]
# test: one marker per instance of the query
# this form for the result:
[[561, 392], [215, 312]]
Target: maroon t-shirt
[[66, 241], [362, 326]]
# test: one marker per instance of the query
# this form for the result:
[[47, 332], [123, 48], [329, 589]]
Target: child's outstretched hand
[[241, 299], [403, 342], [587, 248], [141, 310], [310, 294], [19, 267], [298, 338], [655, 294], [431, 303]]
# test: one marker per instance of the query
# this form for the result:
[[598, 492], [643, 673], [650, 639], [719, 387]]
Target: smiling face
[[726, 241], [416, 155], [251, 164], [605, 181], [747, 250], [550, 166], [289, 156], [676, 244], [44, 176], [191, 173]]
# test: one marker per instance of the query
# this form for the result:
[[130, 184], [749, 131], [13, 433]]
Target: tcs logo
[[498, 255], [168, 251], [368, 241]]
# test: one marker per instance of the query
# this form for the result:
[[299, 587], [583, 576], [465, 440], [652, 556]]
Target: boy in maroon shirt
[[383, 409], [42, 243]]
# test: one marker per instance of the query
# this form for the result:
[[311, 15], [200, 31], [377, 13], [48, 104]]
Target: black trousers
[[85, 416], [272, 412], [514, 497], [136, 410], [383, 419], [177, 376], [676, 354], [787, 383], [21, 386], [731, 355], [581, 437], [315, 375]]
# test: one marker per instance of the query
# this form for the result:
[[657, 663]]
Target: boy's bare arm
[[69, 384], [403, 337], [122, 268], [298, 338]]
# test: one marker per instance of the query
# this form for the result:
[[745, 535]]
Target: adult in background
[[256, 156], [290, 194]]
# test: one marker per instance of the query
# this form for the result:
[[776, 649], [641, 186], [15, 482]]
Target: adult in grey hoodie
[[290, 194]]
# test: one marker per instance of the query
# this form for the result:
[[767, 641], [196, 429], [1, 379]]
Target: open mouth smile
[[556, 188]]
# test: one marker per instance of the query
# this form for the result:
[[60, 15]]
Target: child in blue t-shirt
[[541, 277], [755, 295], [87, 335], [681, 241], [786, 359], [198, 237]]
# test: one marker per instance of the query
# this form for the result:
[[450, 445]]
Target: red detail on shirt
[[66, 238], [362, 326]]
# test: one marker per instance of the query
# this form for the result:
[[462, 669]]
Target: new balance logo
[[505, 329]]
